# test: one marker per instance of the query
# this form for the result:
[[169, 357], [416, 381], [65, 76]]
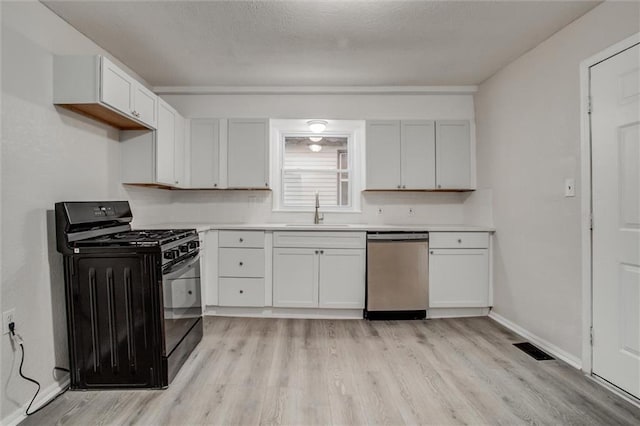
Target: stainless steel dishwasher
[[397, 275]]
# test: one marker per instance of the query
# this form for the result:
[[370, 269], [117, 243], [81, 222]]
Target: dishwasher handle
[[417, 236]]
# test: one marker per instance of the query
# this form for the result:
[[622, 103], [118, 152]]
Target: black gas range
[[134, 305]]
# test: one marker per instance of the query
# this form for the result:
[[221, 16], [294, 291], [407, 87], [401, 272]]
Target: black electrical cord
[[35, 382]]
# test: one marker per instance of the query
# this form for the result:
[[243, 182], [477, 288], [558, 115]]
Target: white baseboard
[[46, 394], [270, 312], [433, 313], [543, 344]]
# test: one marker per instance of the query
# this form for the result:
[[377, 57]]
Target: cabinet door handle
[[439, 186], [241, 263], [321, 251], [241, 291], [398, 186], [404, 186], [317, 252], [266, 184], [190, 292], [215, 184], [431, 252]]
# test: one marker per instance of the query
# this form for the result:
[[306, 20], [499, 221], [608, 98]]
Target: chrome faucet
[[317, 218]]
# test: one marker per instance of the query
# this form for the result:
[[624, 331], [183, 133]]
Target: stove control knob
[[171, 254], [184, 248], [193, 245]]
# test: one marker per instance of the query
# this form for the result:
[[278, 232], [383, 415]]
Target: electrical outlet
[[411, 211], [379, 211], [7, 318]]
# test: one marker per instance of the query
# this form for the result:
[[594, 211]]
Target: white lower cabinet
[[459, 277], [295, 277], [241, 292], [342, 278], [321, 277], [241, 268]]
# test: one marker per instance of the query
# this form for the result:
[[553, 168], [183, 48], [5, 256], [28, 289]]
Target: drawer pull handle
[[241, 291], [241, 263], [190, 292], [241, 240], [459, 240]]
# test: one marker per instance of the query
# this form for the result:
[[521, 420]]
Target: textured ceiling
[[317, 43]]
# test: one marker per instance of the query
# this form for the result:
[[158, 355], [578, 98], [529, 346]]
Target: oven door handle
[[178, 269]]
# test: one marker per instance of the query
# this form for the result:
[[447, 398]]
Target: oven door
[[182, 300]]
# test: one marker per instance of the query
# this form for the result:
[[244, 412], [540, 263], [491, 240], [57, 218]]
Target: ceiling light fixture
[[315, 138], [315, 147], [317, 126]]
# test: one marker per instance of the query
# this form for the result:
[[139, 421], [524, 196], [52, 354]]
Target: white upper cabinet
[[248, 153], [205, 153], [96, 87], [383, 154], [418, 153], [453, 155], [165, 149], [156, 157]]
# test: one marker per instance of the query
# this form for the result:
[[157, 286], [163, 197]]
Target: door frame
[[586, 193]]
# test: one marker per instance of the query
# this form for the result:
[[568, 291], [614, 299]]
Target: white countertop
[[323, 227]]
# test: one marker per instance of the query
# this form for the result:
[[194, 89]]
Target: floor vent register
[[537, 354]]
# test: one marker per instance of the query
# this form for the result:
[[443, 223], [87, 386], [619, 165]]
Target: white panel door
[[418, 151], [247, 153], [117, 87], [205, 153], [458, 278], [144, 105], [165, 144], [453, 155], [615, 135], [342, 278], [383, 154], [295, 278]]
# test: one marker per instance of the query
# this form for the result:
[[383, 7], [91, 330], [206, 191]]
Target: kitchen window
[[304, 163]]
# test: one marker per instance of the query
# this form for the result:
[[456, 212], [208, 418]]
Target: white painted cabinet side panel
[[205, 153], [342, 279], [418, 149], [137, 156], [209, 264], [453, 155], [179, 164], [383, 154]]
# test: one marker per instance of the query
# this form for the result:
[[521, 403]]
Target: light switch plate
[[569, 187]]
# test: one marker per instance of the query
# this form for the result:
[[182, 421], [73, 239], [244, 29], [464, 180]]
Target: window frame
[[352, 130]]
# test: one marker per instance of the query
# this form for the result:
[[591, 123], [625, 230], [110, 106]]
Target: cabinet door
[[247, 153], [418, 152], [342, 279], [165, 144], [179, 165], [295, 278], [117, 87], [144, 105], [383, 154], [453, 155], [205, 153], [458, 278]]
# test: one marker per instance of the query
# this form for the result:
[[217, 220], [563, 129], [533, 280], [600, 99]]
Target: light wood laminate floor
[[304, 372]]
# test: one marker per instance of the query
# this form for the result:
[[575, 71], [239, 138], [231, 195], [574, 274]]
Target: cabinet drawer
[[250, 239], [241, 292], [319, 239], [247, 263], [458, 240]]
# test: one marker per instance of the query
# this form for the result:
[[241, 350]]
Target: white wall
[[48, 154], [240, 207], [528, 131]]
